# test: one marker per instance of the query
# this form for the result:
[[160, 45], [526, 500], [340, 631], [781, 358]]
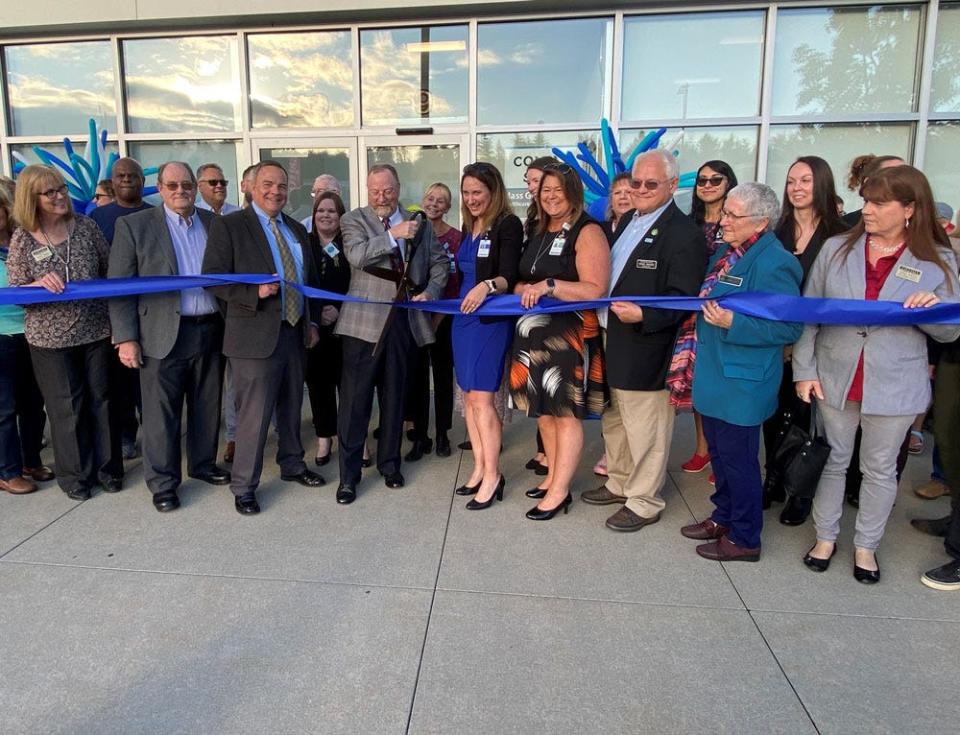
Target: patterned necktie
[[293, 299], [396, 259]]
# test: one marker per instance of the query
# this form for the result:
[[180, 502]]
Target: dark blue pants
[[734, 452], [21, 408]]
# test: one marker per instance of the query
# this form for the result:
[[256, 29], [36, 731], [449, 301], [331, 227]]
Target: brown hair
[[338, 205], [824, 198], [864, 166], [572, 191], [906, 185], [488, 175], [31, 181], [7, 206]]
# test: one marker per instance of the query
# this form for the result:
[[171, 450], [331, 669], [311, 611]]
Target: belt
[[201, 319]]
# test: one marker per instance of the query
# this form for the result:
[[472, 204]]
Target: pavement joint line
[[39, 531]]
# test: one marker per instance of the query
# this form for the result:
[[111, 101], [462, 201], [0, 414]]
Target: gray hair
[[760, 201], [175, 163], [328, 182], [205, 166], [668, 160]]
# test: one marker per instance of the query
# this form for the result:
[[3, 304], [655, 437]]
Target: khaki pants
[[637, 431]]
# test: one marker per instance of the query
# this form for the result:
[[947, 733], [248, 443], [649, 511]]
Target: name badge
[[483, 250], [41, 254], [557, 247], [648, 239], [647, 265], [453, 262], [908, 274], [332, 250], [731, 280]]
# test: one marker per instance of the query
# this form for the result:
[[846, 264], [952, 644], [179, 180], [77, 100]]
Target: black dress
[[557, 362]]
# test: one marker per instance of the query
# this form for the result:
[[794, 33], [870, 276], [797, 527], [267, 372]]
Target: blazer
[[670, 260], [737, 372], [895, 377], [365, 243], [236, 243], [506, 247], [142, 247]]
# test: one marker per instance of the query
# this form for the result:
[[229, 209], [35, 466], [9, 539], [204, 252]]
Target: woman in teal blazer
[[734, 364]]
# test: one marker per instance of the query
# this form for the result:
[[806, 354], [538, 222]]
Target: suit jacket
[[737, 373], [895, 377], [237, 244], [669, 261], [142, 247], [506, 247], [365, 244]]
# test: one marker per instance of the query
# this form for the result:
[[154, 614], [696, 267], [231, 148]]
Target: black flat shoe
[[536, 492], [497, 495], [536, 513], [366, 462], [305, 478], [112, 484], [819, 565], [796, 511], [346, 494], [80, 493], [867, 576], [443, 446], [465, 445], [216, 476], [541, 470], [532, 464], [165, 502], [468, 489], [393, 480], [246, 505], [321, 461]]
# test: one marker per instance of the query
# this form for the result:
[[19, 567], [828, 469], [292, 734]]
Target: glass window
[[513, 152], [945, 95], [56, 88], [713, 71], [78, 180], [543, 71], [846, 60], [303, 166], [182, 85], [301, 80], [195, 153], [838, 145], [942, 162], [419, 166], [412, 76]]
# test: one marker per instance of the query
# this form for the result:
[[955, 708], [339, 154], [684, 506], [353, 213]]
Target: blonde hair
[[442, 187], [31, 181]]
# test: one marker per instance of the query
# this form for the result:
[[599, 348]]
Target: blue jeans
[[734, 457]]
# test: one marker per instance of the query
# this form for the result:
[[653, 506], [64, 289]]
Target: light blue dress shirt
[[227, 207], [292, 242], [189, 243]]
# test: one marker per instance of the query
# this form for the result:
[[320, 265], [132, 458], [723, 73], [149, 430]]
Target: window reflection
[[945, 95], [195, 153], [182, 85], [707, 74], [303, 166], [844, 60], [55, 88], [419, 166], [301, 80], [414, 75], [942, 162], [543, 71]]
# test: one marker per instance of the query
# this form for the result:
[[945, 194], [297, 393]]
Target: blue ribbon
[[775, 307]]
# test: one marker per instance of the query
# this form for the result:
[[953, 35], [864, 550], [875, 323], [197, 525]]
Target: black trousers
[[21, 408], [192, 372], [439, 358], [73, 381], [946, 428], [362, 373], [324, 364], [124, 403]]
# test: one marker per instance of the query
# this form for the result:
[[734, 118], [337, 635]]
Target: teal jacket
[[737, 371]]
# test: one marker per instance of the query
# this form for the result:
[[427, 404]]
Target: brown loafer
[[17, 486], [228, 452], [932, 490], [723, 549], [626, 520], [705, 530], [39, 474], [601, 496]]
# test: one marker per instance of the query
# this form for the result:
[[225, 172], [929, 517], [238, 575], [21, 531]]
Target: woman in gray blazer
[[874, 377]]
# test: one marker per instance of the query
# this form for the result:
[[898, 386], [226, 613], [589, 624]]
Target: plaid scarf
[[680, 374]]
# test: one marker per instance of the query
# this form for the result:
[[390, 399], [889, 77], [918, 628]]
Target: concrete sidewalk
[[406, 613]]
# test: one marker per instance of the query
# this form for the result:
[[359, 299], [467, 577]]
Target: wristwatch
[[491, 285], [551, 287]]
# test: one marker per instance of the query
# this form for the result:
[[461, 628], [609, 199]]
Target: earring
[[906, 224]]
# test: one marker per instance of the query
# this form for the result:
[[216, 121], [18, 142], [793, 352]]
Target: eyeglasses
[[174, 185], [98, 196], [215, 182], [712, 180], [648, 184], [730, 215], [54, 193]]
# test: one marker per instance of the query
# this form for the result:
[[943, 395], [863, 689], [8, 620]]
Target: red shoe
[[696, 463], [712, 479]]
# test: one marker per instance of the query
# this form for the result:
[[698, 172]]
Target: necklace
[[65, 261], [542, 249], [885, 249]]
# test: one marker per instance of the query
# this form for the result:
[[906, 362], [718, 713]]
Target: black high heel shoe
[[819, 565], [536, 492], [866, 576], [468, 489], [536, 513], [497, 494]]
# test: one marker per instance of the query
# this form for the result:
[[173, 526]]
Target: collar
[[655, 214], [179, 219], [263, 216]]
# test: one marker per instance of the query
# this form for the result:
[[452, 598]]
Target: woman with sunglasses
[[490, 247], [714, 180], [69, 340], [104, 194], [557, 371]]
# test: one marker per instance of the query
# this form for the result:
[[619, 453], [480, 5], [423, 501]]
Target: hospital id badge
[[41, 254], [332, 250], [557, 247], [483, 250]]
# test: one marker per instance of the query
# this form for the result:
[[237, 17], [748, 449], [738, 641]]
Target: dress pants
[[190, 372], [362, 373], [73, 381], [946, 427], [881, 437], [637, 431], [738, 496], [21, 408], [260, 385], [324, 362], [229, 404], [438, 357], [124, 403]]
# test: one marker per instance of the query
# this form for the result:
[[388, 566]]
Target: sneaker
[[696, 463], [932, 490], [944, 578]]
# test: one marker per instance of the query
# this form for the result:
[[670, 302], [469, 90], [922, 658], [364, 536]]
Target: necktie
[[396, 259], [293, 299]]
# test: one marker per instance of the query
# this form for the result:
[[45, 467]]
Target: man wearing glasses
[[174, 338], [212, 188], [657, 251]]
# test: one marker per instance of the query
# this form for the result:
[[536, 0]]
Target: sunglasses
[[215, 182], [97, 197], [648, 184], [560, 167], [174, 185], [712, 180], [479, 167]]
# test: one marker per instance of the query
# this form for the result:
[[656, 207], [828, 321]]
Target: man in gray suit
[[173, 337], [393, 255]]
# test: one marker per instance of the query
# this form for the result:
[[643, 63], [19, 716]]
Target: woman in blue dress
[[489, 253]]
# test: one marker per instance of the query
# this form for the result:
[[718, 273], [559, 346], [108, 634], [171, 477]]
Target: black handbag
[[800, 458]]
